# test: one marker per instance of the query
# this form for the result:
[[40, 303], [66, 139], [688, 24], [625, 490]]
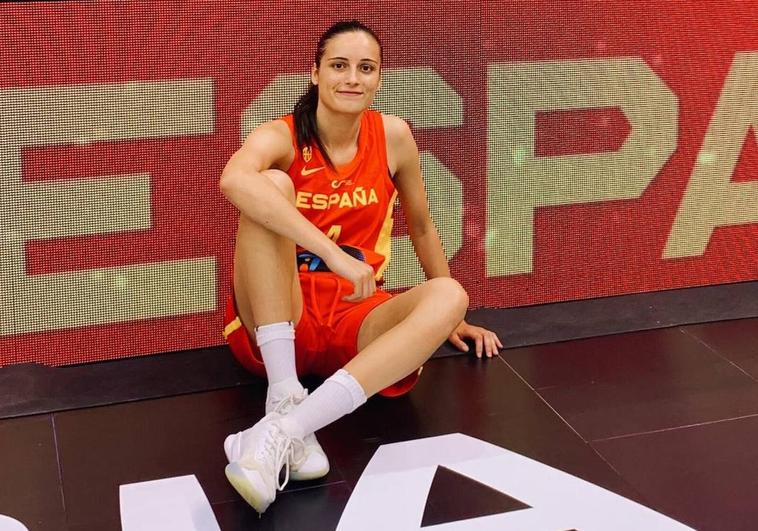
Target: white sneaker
[[315, 464], [256, 457]]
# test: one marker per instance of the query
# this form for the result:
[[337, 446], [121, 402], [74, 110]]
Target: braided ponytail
[[306, 129]]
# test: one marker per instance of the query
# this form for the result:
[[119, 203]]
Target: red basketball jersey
[[352, 204]]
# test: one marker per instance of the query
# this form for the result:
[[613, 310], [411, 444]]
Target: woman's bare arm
[[410, 187], [256, 197], [426, 241]]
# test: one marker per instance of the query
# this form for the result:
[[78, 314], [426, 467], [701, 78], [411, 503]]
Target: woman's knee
[[451, 294], [282, 181]]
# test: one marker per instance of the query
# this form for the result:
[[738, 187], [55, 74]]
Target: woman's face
[[348, 76]]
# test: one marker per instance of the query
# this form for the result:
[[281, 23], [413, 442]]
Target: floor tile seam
[[641, 496], [543, 400], [650, 378], [585, 441], [717, 353], [123, 401], [59, 465], [508, 365], [671, 428]]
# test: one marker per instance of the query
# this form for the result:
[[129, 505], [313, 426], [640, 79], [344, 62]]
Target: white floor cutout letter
[[9, 524], [393, 490], [173, 504]]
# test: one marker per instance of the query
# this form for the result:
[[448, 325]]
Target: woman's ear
[[314, 74]]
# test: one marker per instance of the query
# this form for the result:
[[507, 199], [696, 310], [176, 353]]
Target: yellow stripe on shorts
[[232, 327]]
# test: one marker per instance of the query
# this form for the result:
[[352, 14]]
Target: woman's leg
[[269, 303], [266, 286], [267, 293], [398, 336], [395, 339]]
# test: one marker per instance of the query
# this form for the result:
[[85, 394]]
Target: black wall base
[[28, 389]]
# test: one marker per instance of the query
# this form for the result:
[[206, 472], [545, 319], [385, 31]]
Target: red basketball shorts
[[326, 337]]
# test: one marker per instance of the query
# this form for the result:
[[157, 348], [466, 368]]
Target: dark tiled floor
[[705, 474], [30, 488], [631, 383], [312, 508], [614, 411], [736, 341], [636, 356]]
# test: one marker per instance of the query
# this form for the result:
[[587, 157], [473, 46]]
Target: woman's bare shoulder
[[395, 128], [271, 144], [276, 131]]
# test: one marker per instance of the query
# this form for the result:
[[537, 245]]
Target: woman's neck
[[337, 131]]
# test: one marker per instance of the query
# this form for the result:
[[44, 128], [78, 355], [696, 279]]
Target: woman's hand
[[485, 341], [360, 274]]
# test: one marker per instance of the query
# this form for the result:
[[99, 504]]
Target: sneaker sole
[[300, 476], [241, 484]]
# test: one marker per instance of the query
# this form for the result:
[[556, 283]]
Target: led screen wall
[[571, 150]]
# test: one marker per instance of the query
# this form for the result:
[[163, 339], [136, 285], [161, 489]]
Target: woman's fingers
[[357, 293], [492, 339], [479, 342], [364, 283], [370, 285], [486, 343], [458, 343]]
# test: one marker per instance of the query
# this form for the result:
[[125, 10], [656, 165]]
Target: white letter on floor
[[172, 504], [393, 490]]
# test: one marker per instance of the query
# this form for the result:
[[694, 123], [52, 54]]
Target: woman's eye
[[338, 66], [367, 68]]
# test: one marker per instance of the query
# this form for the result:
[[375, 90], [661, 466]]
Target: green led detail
[[490, 239], [706, 157], [519, 156]]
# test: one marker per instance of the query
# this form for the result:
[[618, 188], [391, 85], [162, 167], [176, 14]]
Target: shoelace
[[283, 450], [285, 405]]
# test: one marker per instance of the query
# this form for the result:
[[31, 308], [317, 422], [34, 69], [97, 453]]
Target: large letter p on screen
[[518, 182]]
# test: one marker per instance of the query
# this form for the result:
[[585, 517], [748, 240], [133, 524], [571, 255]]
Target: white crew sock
[[339, 395], [277, 345]]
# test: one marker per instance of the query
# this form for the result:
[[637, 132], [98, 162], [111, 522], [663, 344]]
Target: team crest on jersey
[[307, 154]]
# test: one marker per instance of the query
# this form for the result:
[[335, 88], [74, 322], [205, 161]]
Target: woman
[[315, 190]]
